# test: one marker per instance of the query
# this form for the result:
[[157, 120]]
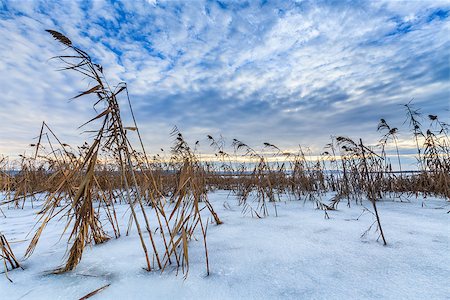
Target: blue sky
[[284, 72]]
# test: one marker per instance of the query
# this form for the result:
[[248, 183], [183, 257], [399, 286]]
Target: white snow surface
[[296, 255]]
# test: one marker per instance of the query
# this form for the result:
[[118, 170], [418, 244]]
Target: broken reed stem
[[6, 254], [93, 293], [371, 194]]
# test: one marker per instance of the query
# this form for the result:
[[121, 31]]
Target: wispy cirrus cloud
[[288, 72]]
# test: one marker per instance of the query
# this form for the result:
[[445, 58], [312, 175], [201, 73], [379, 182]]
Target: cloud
[[285, 72]]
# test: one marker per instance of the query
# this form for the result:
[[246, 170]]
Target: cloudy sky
[[285, 72]]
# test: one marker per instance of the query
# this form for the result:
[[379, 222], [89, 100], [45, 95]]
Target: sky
[[286, 72]]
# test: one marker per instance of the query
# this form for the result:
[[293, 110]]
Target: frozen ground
[[297, 255]]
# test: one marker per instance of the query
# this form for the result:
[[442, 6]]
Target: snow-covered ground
[[297, 255]]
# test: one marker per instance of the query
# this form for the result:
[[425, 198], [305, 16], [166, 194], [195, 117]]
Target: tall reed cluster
[[78, 186]]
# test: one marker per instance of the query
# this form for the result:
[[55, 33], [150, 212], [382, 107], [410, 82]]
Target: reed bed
[[78, 183]]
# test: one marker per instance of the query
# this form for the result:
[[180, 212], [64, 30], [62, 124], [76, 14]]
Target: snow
[[297, 255]]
